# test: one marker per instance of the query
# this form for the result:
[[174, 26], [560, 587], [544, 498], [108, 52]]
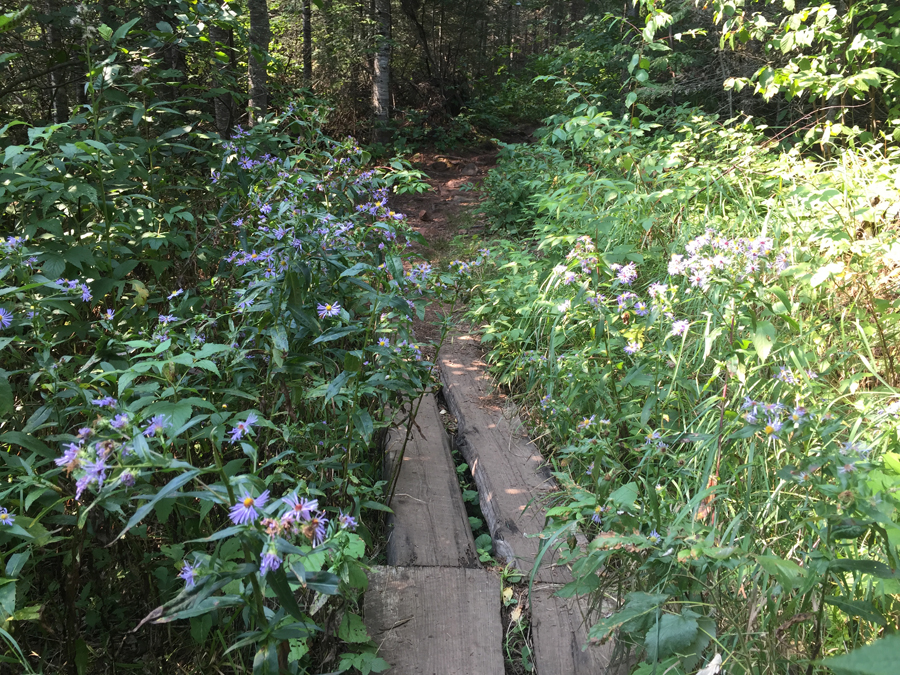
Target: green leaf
[[873, 567], [352, 629], [278, 582], [864, 610], [28, 442], [786, 572], [764, 339], [363, 423], [334, 387], [878, 658], [325, 583], [637, 604], [625, 496], [336, 333], [122, 31], [170, 487], [672, 634], [7, 399]]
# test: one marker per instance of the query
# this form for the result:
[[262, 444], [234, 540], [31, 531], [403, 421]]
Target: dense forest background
[[688, 281]]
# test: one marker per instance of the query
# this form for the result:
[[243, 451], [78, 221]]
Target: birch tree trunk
[[260, 34], [381, 75]]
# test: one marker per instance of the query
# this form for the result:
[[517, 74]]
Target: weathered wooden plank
[[559, 631], [436, 620], [429, 524], [508, 469]]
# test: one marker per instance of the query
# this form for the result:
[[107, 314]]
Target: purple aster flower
[[6, 518], [157, 424], [70, 456], [126, 478], [598, 512], [105, 402], [640, 308], [239, 222], [167, 319], [680, 327], [773, 426], [95, 472], [632, 348], [245, 510], [242, 428], [266, 208], [270, 560], [175, 294], [315, 528], [6, 318], [119, 421], [627, 274], [85, 293], [347, 522], [110, 314], [189, 574], [301, 508], [328, 310]]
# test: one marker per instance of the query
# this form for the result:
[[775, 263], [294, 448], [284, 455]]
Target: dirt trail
[[445, 211], [442, 213]]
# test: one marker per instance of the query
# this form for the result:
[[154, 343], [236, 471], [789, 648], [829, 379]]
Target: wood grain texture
[[559, 630], [436, 620], [510, 473], [429, 526]]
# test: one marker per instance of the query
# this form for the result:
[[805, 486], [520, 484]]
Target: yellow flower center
[[248, 502], [770, 429], [4, 516]]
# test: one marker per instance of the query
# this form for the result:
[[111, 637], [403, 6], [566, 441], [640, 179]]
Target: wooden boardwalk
[[433, 610]]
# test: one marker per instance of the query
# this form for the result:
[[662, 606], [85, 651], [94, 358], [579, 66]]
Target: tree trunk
[[307, 43], [260, 34], [381, 75], [58, 94], [224, 105]]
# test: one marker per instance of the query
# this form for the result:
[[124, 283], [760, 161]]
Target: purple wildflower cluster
[[711, 256], [299, 516], [75, 287]]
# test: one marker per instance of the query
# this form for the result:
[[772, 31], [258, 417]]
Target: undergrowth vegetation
[[704, 330], [201, 339]]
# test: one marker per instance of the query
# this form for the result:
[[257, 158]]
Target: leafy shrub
[[201, 341], [706, 341]]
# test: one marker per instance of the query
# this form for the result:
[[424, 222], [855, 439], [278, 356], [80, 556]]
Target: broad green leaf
[[637, 604], [878, 658], [864, 610], [786, 572], [352, 629], [764, 339], [169, 488], [672, 634]]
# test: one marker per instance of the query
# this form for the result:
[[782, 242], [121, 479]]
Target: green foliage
[[704, 332], [199, 341]]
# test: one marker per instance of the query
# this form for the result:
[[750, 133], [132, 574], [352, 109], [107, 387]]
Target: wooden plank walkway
[[508, 469], [512, 478], [429, 523], [436, 620]]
